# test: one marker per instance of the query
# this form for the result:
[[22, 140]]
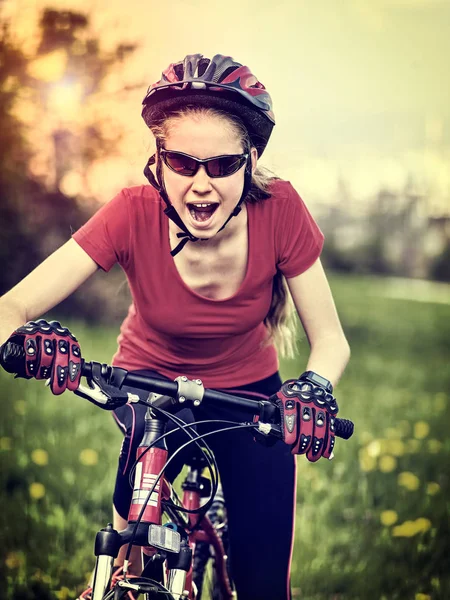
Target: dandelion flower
[[411, 528], [387, 463], [388, 517], [423, 524], [421, 430], [409, 481], [366, 462], [433, 488], [37, 491], [406, 529], [422, 597], [396, 447], [88, 457], [374, 449], [40, 457]]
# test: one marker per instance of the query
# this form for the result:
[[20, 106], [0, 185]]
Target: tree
[[35, 219]]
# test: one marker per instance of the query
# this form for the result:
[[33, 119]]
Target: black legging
[[259, 485]]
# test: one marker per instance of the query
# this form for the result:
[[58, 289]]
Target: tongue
[[202, 214]]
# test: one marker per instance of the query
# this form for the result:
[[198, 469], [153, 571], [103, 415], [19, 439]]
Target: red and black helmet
[[220, 83]]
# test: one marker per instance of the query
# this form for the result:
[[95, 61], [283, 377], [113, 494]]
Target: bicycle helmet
[[220, 83]]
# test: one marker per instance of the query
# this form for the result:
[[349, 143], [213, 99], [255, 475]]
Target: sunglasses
[[217, 166]]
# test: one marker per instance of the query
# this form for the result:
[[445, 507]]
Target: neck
[[234, 228]]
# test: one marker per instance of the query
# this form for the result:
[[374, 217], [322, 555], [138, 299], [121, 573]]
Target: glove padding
[[52, 352], [307, 418]]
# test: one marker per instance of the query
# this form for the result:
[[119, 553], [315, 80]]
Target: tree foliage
[[36, 220]]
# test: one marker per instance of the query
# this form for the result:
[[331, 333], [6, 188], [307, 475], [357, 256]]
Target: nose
[[201, 183]]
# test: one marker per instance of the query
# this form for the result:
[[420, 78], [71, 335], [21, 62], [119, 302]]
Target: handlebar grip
[[343, 428], [12, 357]]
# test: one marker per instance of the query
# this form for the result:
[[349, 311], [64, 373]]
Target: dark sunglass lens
[[227, 165], [184, 165]]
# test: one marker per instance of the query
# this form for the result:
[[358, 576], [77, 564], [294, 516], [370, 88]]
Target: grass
[[371, 524]]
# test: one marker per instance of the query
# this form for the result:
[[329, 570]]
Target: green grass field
[[371, 524]]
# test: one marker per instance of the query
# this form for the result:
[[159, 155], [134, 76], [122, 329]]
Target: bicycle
[[176, 553]]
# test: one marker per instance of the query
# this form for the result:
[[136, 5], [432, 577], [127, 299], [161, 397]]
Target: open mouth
[[202, 211]]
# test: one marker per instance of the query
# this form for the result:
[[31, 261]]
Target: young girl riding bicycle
[[208, 249]]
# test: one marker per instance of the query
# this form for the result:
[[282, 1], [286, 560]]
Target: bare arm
[[45, 287], [314, 302]]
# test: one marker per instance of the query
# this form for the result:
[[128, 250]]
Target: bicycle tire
[[205, 572]]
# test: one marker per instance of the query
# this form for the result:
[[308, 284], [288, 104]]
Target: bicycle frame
[[153, 495]]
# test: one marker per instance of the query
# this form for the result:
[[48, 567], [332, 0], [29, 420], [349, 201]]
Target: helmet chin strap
[[158, 183]]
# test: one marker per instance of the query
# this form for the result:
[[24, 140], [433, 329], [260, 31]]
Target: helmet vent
[[202, 66], [179, 71], [227, 72]]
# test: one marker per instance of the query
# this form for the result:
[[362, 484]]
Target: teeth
[[202, 205]]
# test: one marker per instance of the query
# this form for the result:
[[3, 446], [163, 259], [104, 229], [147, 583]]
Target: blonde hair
[[280, 320]]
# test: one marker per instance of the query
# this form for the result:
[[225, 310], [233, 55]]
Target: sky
[[360, 88]]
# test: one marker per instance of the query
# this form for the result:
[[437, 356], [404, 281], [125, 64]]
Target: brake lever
[[106, 396]]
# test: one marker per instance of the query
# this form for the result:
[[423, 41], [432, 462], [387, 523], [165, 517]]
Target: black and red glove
[[307, 418], [51, 352]]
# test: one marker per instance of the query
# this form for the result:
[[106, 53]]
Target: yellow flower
[[396, 447], [387, 463], [88, 457], [411, 528], [434, 446], [39, 457], [37, 491], [421, 430], [409, 481], [374, 449], [388, 517], [366, 462], [422, 597], [14, 560], [5, 443], [423, 524], [433, 488]]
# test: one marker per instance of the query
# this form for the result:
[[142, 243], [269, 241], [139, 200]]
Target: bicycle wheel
[[210, 584]]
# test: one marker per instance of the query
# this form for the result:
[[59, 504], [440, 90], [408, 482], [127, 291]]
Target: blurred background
[[360, 93]]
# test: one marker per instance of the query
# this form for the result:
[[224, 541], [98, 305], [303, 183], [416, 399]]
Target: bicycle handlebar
[[265, 409]]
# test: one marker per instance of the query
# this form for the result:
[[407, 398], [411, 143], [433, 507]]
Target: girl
[[209, 296]]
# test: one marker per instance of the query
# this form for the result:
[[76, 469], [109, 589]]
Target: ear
[[254, 156]]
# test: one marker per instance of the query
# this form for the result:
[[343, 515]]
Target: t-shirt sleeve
[[300, 240], [106, 236]]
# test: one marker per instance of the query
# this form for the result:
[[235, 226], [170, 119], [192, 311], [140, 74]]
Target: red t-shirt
[[172, 329]]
